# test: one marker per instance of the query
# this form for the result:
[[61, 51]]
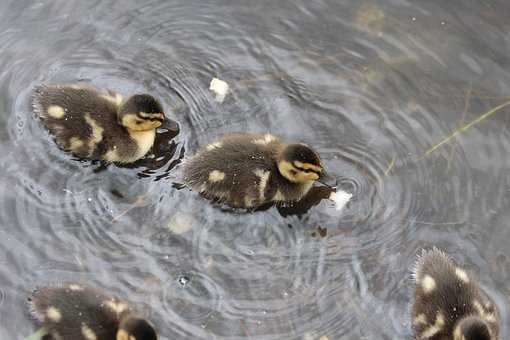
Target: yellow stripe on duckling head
[[132, 122], [294, 174], [307, 166], [153, 115]]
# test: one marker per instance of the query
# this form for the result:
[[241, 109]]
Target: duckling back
[[85, 122], [445, 295], [77, 312]]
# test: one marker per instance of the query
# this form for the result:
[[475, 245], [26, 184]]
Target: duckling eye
[[293, 172]]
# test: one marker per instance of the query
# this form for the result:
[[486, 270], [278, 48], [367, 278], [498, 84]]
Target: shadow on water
[[371, 86]]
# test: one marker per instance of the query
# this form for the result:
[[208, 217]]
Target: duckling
[[99, 126], [247, 170], [449, 303], [76, 312]]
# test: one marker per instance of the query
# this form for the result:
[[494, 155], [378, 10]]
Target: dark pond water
[[371, 85]]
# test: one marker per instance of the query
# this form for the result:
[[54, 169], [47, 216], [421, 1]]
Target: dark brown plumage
[[449, 303], [76, 312], [249, 170], [99, 126]]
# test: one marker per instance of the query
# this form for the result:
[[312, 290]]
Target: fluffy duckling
[[249, 170], [99, 126], [76, 312], [449, 303]]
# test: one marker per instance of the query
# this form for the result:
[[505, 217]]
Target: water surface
[[371, 85]]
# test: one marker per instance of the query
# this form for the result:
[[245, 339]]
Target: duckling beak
[[170, 125], [327, 180]]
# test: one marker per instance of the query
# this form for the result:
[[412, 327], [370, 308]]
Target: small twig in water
[[466, 127], [138, 203]]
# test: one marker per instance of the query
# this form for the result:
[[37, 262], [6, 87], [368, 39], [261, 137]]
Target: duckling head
[[141, 112], [299, 164], [472, 328], [135, 328]]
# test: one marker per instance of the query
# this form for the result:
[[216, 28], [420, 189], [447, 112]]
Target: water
[[371, 85]]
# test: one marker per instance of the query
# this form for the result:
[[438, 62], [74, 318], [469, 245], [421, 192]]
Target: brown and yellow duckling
[[448, 302], [99, 126], [76, 312], [248, 170]]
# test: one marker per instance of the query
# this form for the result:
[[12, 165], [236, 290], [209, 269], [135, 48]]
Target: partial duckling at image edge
[[99, 126], [76, 312], [247, 170], [449, 303]]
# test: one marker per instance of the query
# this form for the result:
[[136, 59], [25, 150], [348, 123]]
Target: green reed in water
[[37, 335]]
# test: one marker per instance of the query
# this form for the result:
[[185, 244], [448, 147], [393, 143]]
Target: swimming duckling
[[99, 126], [248, 170], [76, 312], [449, 303]]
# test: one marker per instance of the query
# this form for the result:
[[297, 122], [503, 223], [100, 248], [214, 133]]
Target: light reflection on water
[[371, 86]]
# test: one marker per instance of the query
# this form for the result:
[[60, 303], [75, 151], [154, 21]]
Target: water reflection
[[370, 86]]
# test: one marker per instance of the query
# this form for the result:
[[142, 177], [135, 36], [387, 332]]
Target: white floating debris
[[180, 224], [341, 198], [220, 88]]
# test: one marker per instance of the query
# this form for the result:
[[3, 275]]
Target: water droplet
[[413, 18], [89, 199]]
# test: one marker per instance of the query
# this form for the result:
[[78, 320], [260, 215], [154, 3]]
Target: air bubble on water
[[183, 280], [89, 199]]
